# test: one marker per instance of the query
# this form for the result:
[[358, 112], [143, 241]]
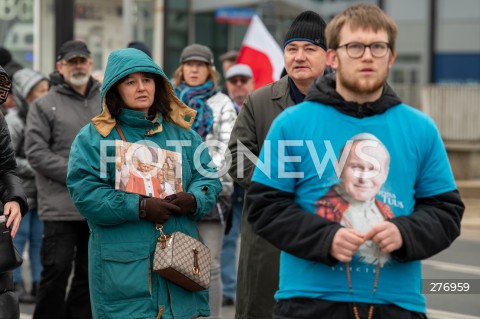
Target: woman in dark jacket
[[11, 193]]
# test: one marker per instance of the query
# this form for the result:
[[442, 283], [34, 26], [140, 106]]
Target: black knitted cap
[[307, 26]]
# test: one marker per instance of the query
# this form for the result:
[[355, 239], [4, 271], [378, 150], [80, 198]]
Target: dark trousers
[[9, 308], [64, 244], [307, 308]]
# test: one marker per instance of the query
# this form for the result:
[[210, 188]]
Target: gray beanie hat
[[197, 52], [25, 80]]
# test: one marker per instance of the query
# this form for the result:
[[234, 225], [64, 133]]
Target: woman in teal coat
[[138, 100]]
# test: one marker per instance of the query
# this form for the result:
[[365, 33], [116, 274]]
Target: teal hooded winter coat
[[121, 246]]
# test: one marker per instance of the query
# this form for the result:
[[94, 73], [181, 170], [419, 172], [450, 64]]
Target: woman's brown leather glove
[[156, 210], [185, 201]]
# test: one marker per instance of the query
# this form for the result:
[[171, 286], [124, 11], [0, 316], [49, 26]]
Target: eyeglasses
[[356, 50], [235, 80], [75, 62]]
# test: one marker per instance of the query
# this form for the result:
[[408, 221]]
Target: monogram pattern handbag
[[4, 86], [10, 258], [182, 260]]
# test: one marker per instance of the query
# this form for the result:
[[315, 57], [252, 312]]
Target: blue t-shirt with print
[[303, 155]]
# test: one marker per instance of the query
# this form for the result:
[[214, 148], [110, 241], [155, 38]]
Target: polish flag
[[262, 53]]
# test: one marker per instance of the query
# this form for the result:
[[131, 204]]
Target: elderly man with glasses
[[240, 83]]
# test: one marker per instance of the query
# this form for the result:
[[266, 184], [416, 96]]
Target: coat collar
[[281, 93]]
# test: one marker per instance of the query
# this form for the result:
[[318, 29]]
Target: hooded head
[[25, 80], [25, 90], [127, 61]]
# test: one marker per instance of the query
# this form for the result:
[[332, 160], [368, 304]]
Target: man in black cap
[[304, 55], [52, 124]]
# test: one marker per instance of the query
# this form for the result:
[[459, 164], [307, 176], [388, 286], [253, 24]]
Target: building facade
[[438, 40]]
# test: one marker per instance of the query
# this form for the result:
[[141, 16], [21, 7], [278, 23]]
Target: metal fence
[[455, 109], [410, 94]]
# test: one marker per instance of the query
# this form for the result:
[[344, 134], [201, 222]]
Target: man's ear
[[332, 59], [393, 57]]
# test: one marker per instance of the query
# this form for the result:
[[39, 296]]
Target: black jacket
[[9, 308], [10, 190], [432, 227], [10, 185]]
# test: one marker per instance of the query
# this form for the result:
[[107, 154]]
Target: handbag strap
[[119, 130], [160, 228]]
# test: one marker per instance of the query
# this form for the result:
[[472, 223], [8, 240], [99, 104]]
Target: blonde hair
[[361, 16], [179, 78]]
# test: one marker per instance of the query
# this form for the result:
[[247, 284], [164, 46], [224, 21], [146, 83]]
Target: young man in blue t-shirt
[[355, 187]]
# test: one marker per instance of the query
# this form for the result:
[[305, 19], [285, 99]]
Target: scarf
[[295, 93], [196, 98]]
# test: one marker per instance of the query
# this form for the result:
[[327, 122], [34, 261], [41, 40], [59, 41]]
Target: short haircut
[[361, 16]]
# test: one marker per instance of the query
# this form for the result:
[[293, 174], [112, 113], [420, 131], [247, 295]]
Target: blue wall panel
[[457, 68]]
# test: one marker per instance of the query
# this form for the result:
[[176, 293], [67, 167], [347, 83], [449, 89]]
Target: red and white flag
[[262, 53]]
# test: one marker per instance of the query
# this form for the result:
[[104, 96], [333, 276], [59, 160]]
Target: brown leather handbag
[[182, 260]]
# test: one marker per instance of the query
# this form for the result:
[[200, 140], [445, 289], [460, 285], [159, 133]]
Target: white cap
[[144, 155], [239, 70]]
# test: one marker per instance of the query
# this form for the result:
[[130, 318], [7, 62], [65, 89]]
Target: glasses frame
[[243, 80], [75, 62], [365, 46]]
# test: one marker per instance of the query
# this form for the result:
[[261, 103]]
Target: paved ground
[[471, 217], [470, 191]]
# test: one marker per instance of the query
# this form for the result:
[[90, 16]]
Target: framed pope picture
[[147, 170]]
